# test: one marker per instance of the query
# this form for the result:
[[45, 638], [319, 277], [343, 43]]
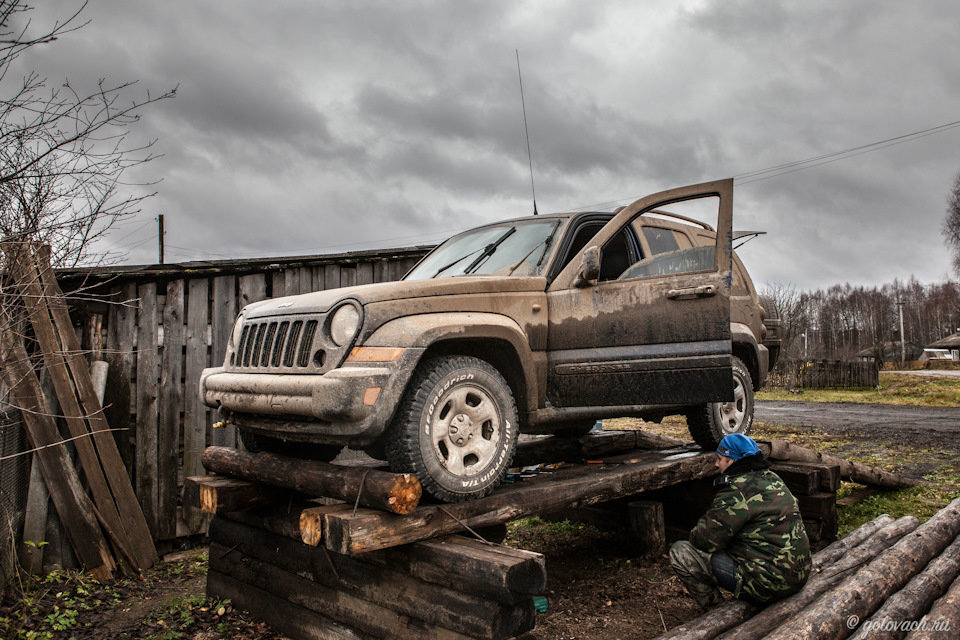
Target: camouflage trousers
[[699, 572]]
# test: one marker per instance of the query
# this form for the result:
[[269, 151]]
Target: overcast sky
[[304, 127]]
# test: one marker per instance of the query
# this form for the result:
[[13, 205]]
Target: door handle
[[703, 291]]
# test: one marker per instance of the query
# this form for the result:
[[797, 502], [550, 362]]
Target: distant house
[[891, 352], [943, 349]]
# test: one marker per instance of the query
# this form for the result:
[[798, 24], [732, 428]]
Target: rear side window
[[660, 240]]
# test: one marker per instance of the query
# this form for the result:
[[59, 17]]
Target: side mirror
[[589, 267]]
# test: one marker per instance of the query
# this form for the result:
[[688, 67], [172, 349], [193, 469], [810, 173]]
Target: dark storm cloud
[[304, 126]]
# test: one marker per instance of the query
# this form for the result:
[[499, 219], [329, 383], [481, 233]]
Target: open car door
[[631, 329]]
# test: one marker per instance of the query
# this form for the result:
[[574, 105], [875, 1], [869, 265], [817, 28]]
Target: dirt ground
[[597, 587]]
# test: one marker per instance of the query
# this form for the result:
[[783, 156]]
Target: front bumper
[[350, 405]]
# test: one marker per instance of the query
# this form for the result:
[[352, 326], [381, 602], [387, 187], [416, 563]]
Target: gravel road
[[938, 427]]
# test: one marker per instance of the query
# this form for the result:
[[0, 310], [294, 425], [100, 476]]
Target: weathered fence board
[[153, 380]]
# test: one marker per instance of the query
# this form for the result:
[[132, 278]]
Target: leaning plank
[[216, 494], [23, 268], [861, 594], [574, 486], [734, 612], [864, 474], [911, 602], [365, 611], [281, 614], [820, 584], [62, 481], [943, 618], [394, 492], [139, 541]]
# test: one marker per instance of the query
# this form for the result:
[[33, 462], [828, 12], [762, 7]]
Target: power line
[[813, 161]]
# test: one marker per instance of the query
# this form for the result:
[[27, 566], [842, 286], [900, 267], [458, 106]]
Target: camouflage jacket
[[755, 519]]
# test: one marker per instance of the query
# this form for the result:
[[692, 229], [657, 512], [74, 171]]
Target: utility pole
[[160, 236], [903, 344]]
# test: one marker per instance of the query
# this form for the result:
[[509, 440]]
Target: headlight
[[237, 331], [344, 325]]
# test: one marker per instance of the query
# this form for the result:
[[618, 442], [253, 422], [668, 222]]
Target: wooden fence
[[825, 374], [160, 326]]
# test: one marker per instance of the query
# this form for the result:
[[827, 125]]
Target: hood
[[322, 301]]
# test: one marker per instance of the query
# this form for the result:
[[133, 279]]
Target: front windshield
[[516, 248]]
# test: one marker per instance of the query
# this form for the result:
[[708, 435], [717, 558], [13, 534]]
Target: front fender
[[425, 330]]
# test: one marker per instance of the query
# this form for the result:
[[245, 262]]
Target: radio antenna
[[526, 131]]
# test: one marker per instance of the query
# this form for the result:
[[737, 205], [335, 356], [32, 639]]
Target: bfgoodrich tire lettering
[[709, 423], [456, 428]]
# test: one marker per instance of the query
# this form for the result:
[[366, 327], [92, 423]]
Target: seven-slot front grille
[[275, 343]]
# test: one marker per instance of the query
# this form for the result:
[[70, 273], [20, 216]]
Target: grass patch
[[894, 388]]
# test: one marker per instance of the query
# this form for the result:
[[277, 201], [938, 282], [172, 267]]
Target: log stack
[[450, 587], [882, 581]]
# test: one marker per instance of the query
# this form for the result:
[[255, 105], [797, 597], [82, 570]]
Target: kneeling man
[[751, 541]]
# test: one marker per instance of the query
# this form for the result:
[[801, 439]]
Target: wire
[[808, 163]]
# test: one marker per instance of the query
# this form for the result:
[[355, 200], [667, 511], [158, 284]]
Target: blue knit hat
[[737, 446]]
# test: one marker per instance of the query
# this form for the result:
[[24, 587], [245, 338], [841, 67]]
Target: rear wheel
[[456, 428], [255, 443], [709, 423]]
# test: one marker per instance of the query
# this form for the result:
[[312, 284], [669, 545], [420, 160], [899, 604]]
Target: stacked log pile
[[881, 581], [450, 587]]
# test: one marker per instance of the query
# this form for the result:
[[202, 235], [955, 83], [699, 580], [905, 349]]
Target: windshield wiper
[[489, 250], [447, 266], [546, 242]]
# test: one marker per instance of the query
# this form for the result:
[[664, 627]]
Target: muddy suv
[[536, 325]]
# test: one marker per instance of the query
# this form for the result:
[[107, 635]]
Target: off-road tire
[[255, 443], [709, 423], [441, 393]]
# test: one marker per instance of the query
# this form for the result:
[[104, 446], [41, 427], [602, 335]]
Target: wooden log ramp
[[873, 584], [448, 588]]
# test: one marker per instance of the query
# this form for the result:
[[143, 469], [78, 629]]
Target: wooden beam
[[569, 486], [389, 587], [394, 492], [216, 494]]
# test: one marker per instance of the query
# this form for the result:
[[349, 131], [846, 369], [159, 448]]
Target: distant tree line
[[843, 321]]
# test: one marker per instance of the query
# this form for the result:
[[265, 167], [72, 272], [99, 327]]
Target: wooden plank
[[276, 284], [306, 279], [381, 270], [171, 406], [364, 273], [291, 281], [63, 483], [196, 421], [281, 614], [223, 317], [25, 272], [576, 485], [331, 276], [800, 480], [138, 540], [147, 398], [393, 591], [348, 275], [34, 522], [118, 399], [253, 288]]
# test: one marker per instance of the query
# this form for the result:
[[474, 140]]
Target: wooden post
[[146, 448], [646, 524], [195, 414], [170, 406]]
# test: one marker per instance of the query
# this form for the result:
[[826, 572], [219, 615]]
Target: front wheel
[[709, 423], [456, 428]]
